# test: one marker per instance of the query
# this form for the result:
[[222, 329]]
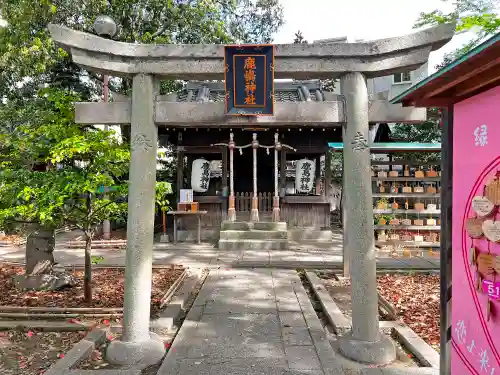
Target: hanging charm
[[489, 310], [491, 230], [482, 206], [492, 190], [474, 227], [479, 281], [472, 256]]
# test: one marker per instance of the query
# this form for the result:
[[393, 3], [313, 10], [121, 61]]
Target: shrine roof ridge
[[296, 91]]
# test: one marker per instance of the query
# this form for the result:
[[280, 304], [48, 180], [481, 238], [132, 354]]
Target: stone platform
[[242, 235]]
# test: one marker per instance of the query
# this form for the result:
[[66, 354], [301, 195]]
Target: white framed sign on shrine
[[249, 79]]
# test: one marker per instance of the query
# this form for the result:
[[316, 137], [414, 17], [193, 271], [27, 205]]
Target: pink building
[[468, 91]]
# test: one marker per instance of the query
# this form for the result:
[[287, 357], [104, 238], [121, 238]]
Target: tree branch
[[160, 31]]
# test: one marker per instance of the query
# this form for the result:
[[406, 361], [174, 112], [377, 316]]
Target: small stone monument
[[39, 247]]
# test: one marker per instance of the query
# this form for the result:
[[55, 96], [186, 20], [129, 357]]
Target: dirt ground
[[107, 289], [415, 298], [32, 353]]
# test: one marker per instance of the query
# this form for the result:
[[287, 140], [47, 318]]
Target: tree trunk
[[89, 234], [164, 221], [87, 280]]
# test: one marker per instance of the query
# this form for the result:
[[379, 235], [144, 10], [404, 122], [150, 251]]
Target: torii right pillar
[[365, 343]]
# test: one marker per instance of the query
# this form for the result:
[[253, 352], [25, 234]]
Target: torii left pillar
[[138, 346]]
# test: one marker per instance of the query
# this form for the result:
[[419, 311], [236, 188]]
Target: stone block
[[245, 366], [302, 358], [253, 244], [223, 348], [262, 306], [253, 235], [79, 352], [40, 246], [416, 345], [269, 225], [301, 235], [260, 327], [330, 308], [236, 225]]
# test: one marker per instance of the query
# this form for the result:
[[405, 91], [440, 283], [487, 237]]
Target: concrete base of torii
[[379, 352], [138, 354]]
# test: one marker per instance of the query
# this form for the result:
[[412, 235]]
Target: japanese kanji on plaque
[[249, 79]]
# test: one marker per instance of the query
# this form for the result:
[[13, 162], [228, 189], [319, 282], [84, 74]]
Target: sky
[[360, 19]]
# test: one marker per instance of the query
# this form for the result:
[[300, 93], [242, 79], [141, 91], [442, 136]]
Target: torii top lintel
[[206, 61]]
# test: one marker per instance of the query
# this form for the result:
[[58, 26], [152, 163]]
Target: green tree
[[52, 171], [163, 190], [477, 16], [29, 58]]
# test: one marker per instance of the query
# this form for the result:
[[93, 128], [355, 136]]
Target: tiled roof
[[293, 91]]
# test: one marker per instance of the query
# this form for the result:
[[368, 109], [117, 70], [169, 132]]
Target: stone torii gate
[[353, 63]]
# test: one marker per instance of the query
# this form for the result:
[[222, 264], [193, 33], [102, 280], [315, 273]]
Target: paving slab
[[405, 371], [205, 255], [220, 335]]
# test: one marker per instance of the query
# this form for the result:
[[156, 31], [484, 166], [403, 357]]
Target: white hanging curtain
[[304, 175], [200, 175]]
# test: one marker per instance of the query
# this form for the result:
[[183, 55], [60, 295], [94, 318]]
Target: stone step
[[253, 244], [253, 234], [235, 225], [269, 225], [315, 245], [300, 235], [247, 225]]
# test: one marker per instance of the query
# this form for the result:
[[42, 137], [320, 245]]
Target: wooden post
[[317, 180], [180, 166], [254, 214], [282, 192], [199, 229], [231, 212], [328, 173], [446, 235], [276, 198], [224, 180]]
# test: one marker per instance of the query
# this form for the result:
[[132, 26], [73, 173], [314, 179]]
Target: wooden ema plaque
[[491, 230], [482, 206], [487, 265], [492, 190], [474, 227]]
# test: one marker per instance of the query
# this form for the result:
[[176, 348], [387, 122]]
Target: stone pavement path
[[251, 321], [205, 255]]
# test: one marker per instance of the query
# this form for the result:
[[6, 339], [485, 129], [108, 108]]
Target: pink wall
[[476, 159]]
